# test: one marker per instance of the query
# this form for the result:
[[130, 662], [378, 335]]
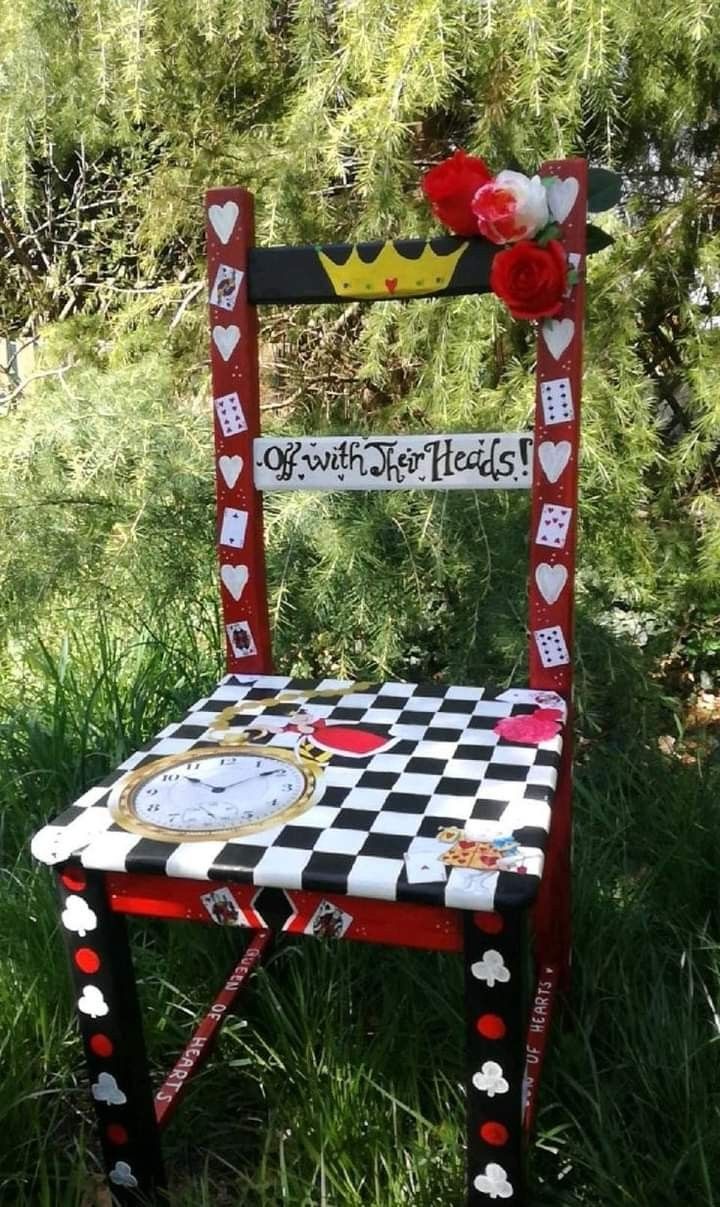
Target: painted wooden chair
[[426, 816]]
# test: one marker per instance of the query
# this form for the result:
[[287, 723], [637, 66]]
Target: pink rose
[[511, 207]]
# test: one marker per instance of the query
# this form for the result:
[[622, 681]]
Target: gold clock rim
[[122, 797]]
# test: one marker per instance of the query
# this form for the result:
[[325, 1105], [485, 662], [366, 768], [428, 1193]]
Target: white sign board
[[484, 461]]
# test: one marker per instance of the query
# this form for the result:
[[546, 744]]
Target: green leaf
[[551, 231], [604, 188], [597, 238]]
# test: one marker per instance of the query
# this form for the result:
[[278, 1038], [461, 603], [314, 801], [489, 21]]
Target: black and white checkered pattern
[[447, 767]]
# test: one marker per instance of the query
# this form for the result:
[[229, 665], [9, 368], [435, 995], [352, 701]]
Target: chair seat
[[420, 793]]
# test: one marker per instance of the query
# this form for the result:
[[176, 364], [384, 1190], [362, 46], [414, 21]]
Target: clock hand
[[204, 808], [192, 779], [248, 779]]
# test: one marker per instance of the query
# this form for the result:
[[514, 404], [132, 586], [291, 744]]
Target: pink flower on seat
[[539, 726]]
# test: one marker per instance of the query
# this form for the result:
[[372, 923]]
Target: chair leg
[[551, 915], [111, 1030], [495, 1029]]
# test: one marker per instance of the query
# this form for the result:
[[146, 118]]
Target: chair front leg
[[111, 1029], [495, 1025]]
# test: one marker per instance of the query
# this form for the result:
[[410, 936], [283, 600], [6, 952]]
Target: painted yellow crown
[[390, 274]]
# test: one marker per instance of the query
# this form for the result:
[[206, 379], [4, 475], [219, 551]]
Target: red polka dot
[[491, 1026], [87, 960], [74, 879], [494, 1133], [491, 924], [117, 1134], [101, 1045]]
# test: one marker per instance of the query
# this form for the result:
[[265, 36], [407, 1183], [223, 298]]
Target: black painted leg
[[495, 1022], [111, 1030]]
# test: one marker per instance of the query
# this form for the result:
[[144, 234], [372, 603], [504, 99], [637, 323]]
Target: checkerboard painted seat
[[435, 817], [441, 768]]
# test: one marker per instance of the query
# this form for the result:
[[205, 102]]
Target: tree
[[116, 116]]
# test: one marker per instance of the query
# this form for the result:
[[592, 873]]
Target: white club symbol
[[122, 1175], [490, 1079], [77, 916], [491, 968], [494, 1182], [92, 1002], [106, 1089]]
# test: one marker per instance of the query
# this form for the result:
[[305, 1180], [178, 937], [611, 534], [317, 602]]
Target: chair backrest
[[544, 460]]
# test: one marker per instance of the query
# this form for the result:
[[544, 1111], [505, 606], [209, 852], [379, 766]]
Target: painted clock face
[[213, 793]]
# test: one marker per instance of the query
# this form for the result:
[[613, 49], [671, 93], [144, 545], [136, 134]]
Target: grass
[[340, 1084]]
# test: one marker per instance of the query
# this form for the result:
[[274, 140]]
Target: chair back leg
[[494, 954]]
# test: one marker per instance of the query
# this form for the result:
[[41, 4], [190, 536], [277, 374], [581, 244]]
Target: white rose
[[511, 207], [530, 198]]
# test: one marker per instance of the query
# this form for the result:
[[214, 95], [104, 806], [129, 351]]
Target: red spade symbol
[[391, 284]]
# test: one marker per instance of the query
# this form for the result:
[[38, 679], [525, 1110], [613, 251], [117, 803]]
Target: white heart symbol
[[561, 196], [235, 578], [557, 334], [226, 340], [230, 468], [550, 581], [223, 218], [554, 458]]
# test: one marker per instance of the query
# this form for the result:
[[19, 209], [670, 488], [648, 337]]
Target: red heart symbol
[[391, 284], [465, 845]]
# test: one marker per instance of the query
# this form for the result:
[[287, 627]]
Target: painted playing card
[[222, 907], [574, 261], [241, 639], [226, 287], [556, 399], [234, 527], [230, 414], [465, 854], [542, 699], [328, 922], [481, 856], [551, 646], [53, 844], [553, 526], [424, 867]]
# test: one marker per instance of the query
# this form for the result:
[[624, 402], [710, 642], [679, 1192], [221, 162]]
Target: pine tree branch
[[7, 399]]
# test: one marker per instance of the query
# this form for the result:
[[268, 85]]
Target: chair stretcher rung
[[197, 1050]]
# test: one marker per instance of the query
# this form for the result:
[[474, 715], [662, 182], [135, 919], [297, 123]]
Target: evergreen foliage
[[115, 115], [113, 119]]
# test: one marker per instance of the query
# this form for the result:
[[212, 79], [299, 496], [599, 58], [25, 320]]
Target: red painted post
[[555, 468], [236, 407], [553, 541]]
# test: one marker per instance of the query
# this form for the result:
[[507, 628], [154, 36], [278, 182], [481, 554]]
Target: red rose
[[450, 187], [530, 279]]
